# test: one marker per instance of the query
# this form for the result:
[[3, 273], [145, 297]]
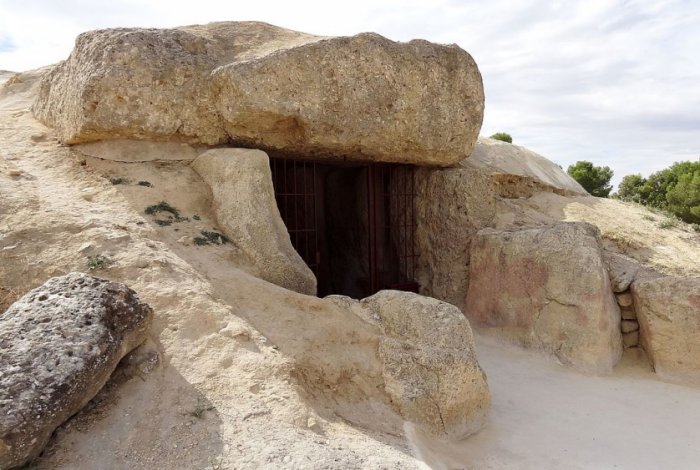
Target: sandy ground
[[547, 417], [234, 347], [631, 229]]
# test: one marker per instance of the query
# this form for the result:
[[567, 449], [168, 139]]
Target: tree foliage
[[675, 189], [505, 137], [594, 179]]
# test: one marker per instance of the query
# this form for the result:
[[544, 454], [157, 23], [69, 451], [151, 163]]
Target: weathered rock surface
[[362, 97], [548, 289], [244, 203], [58, 346], [429, 363], [622, 271], [668, 310], [625, 299], [504, 159], [451, 205], [149, 83]]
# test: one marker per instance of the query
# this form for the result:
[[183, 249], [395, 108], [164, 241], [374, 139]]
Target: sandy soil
[[547, 417], [227, 393], [630, 229]]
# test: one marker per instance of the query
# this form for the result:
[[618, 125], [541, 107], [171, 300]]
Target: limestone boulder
[[58, 346], [668, 310], [548, 289], [245, 207], [362, 97], [429, 363], [151, 84]]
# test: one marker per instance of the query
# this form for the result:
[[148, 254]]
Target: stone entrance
[[352, 223]]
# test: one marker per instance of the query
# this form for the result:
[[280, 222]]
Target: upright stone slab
[[547, 289], [668, 310]]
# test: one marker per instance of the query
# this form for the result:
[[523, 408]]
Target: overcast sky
[[615, 82]]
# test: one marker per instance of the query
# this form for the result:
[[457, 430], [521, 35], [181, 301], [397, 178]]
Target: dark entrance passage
[[353, 224]]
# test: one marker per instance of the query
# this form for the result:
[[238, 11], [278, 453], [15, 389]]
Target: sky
[[614, 82]]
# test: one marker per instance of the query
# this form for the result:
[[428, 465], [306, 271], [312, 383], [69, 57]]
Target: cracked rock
[[429, 363], [547, 289], [668, 310]]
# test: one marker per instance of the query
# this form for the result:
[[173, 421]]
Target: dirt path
[[546, 417]]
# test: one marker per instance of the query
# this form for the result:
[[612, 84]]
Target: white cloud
[[616, 82]]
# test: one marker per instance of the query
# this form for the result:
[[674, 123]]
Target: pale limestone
[[668, 309], [429, 363], [546, 289], [624, 299], [256, 85], [244, 203], [628, 326]]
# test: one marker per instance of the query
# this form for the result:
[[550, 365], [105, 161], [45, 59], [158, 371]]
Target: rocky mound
[[253, 84]]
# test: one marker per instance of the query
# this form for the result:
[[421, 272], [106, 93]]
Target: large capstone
[[252, 84], [58, 346]]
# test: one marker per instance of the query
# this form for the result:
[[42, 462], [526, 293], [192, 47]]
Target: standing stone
[[58, 346], [547, 289], [244, 203], [429, 363], [668, 309]]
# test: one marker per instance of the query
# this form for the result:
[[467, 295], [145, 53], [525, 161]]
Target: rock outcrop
[[252, 84], [547, 289], [244, 203], [58, 346], [668, 310], [504, 161], [429, 363], [452, 204]]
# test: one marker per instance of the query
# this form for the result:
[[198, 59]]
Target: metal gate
[[296, 195], [392, 247], [390, 240]]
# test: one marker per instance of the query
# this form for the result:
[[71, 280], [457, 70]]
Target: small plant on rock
[[162, 206], [98, 262], [210, 238], [116, 181], [199, 409], [667, 223]]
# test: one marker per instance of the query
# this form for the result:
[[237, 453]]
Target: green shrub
[[675, 189], [503, 136], [98, 262]]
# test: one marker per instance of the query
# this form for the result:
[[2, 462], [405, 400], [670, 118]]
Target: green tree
[[675, 189], [594, 179], [502, 136], [684, 197], [630, 188]]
